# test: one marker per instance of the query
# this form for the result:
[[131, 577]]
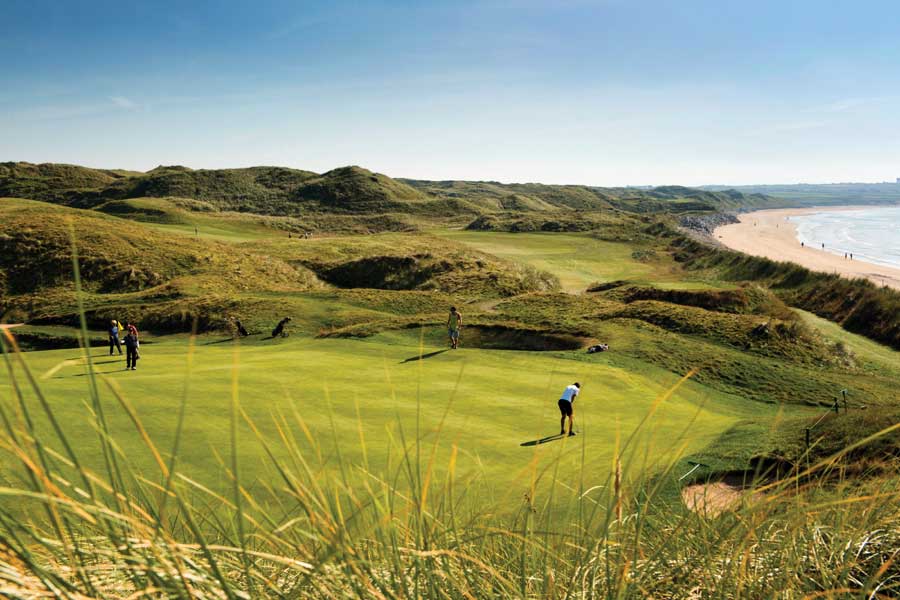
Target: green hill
[[61, 184], [351, 190], [495, 196], [266, 190]]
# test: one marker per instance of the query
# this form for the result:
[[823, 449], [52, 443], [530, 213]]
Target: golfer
[[114, 328], [566, 407], [454, 322]]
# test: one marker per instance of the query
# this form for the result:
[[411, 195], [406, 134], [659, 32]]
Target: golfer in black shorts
[[566, 407]]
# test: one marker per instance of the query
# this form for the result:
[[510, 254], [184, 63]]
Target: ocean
[[870, 234]]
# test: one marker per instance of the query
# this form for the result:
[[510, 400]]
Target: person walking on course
[[113, 331], [131, 350], [454, 322], [566, 407]]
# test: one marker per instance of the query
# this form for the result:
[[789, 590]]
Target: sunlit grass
[[344, 529]]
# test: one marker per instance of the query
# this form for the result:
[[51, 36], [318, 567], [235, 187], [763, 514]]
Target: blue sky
[[605, 92]]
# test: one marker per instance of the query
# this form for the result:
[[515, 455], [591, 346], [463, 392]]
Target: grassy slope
[[785, 434]]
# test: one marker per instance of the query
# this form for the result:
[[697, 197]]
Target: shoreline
[[769, 233]]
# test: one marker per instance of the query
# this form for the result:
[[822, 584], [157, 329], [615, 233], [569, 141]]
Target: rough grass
[[747, 299], [858, 305], [52, 182]]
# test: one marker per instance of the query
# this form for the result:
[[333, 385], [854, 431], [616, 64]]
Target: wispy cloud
[[847, 104], [123, 102], [788, 127], [56, 112]]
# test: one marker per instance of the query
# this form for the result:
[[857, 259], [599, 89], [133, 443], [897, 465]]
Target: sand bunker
[[715, 497]]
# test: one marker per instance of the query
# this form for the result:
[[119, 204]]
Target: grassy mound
[[257, 189], [53, 182], [449, 273], [353, 189], [553, 221], [842, 435], [420, 262], [273, 190], [789, 339], [747, 299], [495, 196], [156, 210], [121, 263], [118, 255], [505, 337]]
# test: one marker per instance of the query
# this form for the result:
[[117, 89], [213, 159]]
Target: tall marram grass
[[405, 529]]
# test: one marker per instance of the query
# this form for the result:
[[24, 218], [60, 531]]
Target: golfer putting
[[566, 407]]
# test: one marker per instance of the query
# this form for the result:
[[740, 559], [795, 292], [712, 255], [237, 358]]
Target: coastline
[[769, 233]]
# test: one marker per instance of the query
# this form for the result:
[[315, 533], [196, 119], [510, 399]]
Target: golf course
[[337, 445]]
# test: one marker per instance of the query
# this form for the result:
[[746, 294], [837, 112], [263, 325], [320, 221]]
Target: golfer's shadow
[[544, 440], [423, 356]]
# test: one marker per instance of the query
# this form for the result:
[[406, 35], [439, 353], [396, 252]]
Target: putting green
[[356, 396]]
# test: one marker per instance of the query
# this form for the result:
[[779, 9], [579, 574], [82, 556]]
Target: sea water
[[870, 234]]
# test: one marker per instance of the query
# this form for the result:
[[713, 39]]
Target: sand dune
[[769, 233]]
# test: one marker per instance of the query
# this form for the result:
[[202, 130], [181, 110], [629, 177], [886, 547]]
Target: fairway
[[579, 259], [363, 401]]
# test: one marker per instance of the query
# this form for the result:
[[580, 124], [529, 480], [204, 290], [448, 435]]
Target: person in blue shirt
[[113, 331]]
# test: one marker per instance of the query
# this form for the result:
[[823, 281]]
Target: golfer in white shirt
[[566, 407]]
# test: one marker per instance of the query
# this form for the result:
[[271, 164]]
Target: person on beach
[[566, 407], [131, 351], [454, 322], [113, 331]]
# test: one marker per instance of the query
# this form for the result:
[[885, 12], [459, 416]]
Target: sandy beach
[[769, 233]]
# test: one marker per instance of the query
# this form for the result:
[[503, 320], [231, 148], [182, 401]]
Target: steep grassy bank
[[858, 305]]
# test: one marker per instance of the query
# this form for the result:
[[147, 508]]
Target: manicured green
[[485, 402]]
